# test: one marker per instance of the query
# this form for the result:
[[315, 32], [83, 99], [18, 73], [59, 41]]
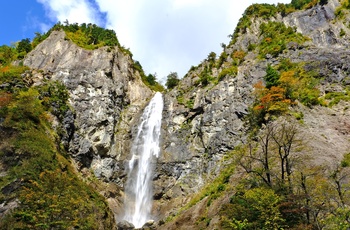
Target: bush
[[256, 208], [54, 96], [25, 111], [281, 91], [299, 4], [335, 97], [275, 37], [231, 71]]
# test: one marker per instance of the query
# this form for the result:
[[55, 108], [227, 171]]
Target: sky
[[164, 35]]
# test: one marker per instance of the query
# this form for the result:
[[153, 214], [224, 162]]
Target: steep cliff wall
[[105, 95], [204, 121]]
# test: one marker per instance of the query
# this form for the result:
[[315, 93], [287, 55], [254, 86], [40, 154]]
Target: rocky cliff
[[204, 122], [205, 115], [105, 94]]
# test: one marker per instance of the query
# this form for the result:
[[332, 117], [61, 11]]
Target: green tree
[[211, 58], [266, 203], [151, 79], [272, 76], [24, 46], [172, 80]]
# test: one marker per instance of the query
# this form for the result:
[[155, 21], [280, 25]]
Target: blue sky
[[20, 19], [164, 35]]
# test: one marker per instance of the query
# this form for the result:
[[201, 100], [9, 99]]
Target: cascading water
[[138, 190]]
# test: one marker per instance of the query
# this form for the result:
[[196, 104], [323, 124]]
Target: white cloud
[[164, 35], [77, 11]]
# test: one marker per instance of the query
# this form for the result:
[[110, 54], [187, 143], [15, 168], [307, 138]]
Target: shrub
[[25, 111], [12, 76], [204, 79], [275, 37], [281, 92], [223, 57], [335, 97], [54, 96], [342, 32], [231, 71], [150, 80], [299, 4]]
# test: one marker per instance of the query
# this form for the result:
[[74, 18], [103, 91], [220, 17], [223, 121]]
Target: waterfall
[[138, 190]]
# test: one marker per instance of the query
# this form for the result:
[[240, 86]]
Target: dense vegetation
[[275, 38], [284, 85], [280, 190], [150, 80], [266, 11], [88, 36]]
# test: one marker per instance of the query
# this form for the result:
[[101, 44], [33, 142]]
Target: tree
[[151, 79], [255, 208], [286, 138], [266, 203], [272, 76], [24, 47], [273, 149], [172, 80], [211, 57]]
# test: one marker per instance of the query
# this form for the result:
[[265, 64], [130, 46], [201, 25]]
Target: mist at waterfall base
[[145, 148]]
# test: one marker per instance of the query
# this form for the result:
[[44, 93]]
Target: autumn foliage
[[283, 87], [5, 99], [269, 102]]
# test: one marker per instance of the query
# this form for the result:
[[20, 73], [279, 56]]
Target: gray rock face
[[316, 23], [102, 87], [195, 138]]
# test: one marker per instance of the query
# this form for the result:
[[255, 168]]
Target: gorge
[[254, 138]]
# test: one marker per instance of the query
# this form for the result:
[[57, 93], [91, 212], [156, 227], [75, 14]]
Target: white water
[[138, 190]]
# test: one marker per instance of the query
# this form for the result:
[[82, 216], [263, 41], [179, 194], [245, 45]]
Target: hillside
[[254, 138]]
